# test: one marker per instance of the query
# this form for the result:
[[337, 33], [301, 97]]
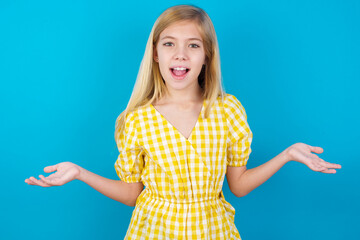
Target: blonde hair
[[150, 87]]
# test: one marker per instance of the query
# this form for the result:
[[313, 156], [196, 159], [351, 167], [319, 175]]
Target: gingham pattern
[[183, 197]]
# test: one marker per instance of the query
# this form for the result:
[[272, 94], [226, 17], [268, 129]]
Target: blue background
[[67, 69]]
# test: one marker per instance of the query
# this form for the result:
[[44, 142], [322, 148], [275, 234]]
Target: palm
[[303, 153], [65, 172]]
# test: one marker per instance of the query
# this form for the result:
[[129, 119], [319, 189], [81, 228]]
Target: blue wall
[[67, 69]]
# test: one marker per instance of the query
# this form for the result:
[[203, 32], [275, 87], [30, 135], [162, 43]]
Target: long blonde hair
[[150, 87]]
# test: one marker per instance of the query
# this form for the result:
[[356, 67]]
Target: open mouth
[[179, 72]]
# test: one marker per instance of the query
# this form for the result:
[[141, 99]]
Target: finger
[[47, 180], [28, 181], [317, 167], [39, 182], [316, 149], [332, 171], [320, 168], [333, 165], [330, 165], [52, 168], [31, 181]]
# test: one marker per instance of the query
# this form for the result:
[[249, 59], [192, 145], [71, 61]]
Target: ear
[[205, 61], [155, 55]]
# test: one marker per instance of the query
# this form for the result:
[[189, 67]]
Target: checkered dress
[[183, 197]]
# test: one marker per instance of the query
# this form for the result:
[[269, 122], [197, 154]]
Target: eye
[[194, 45], [168, 44]]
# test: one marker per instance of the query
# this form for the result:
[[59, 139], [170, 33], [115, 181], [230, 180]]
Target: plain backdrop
[[67, 69]]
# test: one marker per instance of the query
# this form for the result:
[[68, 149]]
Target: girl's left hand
[[302, 153]]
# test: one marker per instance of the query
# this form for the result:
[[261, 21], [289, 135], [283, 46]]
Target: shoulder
[[138, 119], [137, 114], [233, 106], [131, 121]]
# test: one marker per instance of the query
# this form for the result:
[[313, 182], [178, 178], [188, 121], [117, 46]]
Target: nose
[[180, 53], [180, 57]]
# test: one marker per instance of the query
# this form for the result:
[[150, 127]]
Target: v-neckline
[[174, 128]]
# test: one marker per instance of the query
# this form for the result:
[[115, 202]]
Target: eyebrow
[[198, 39]]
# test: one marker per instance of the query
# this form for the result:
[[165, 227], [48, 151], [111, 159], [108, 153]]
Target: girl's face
[[181, 55]]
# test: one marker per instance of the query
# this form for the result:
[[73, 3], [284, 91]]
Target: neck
[[188, 95]]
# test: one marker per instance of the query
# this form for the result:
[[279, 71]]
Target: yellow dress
[[183, 178]]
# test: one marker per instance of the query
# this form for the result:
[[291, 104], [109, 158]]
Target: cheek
[[200, 61], [200, 58], [163, 62], [163, 68], [162, 53]]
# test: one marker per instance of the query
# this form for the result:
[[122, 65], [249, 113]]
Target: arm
[[242, 181], [123, 192]]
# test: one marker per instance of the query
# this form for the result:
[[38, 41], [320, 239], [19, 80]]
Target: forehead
[[182, 30]]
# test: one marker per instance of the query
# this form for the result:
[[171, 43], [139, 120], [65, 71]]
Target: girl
[[179, 135]]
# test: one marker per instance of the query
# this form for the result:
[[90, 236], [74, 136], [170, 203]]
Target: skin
[[181, 107], [181, 44], [65, 172], [242, 181]]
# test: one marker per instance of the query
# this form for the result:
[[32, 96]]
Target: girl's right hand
[[65, 172]]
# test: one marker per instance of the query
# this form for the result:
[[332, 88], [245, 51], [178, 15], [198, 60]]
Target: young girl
[[179, 135]]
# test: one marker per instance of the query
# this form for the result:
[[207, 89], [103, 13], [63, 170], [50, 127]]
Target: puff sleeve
[[130, 162], [239, 133]]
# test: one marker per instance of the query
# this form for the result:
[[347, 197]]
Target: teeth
[[179, 68]]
